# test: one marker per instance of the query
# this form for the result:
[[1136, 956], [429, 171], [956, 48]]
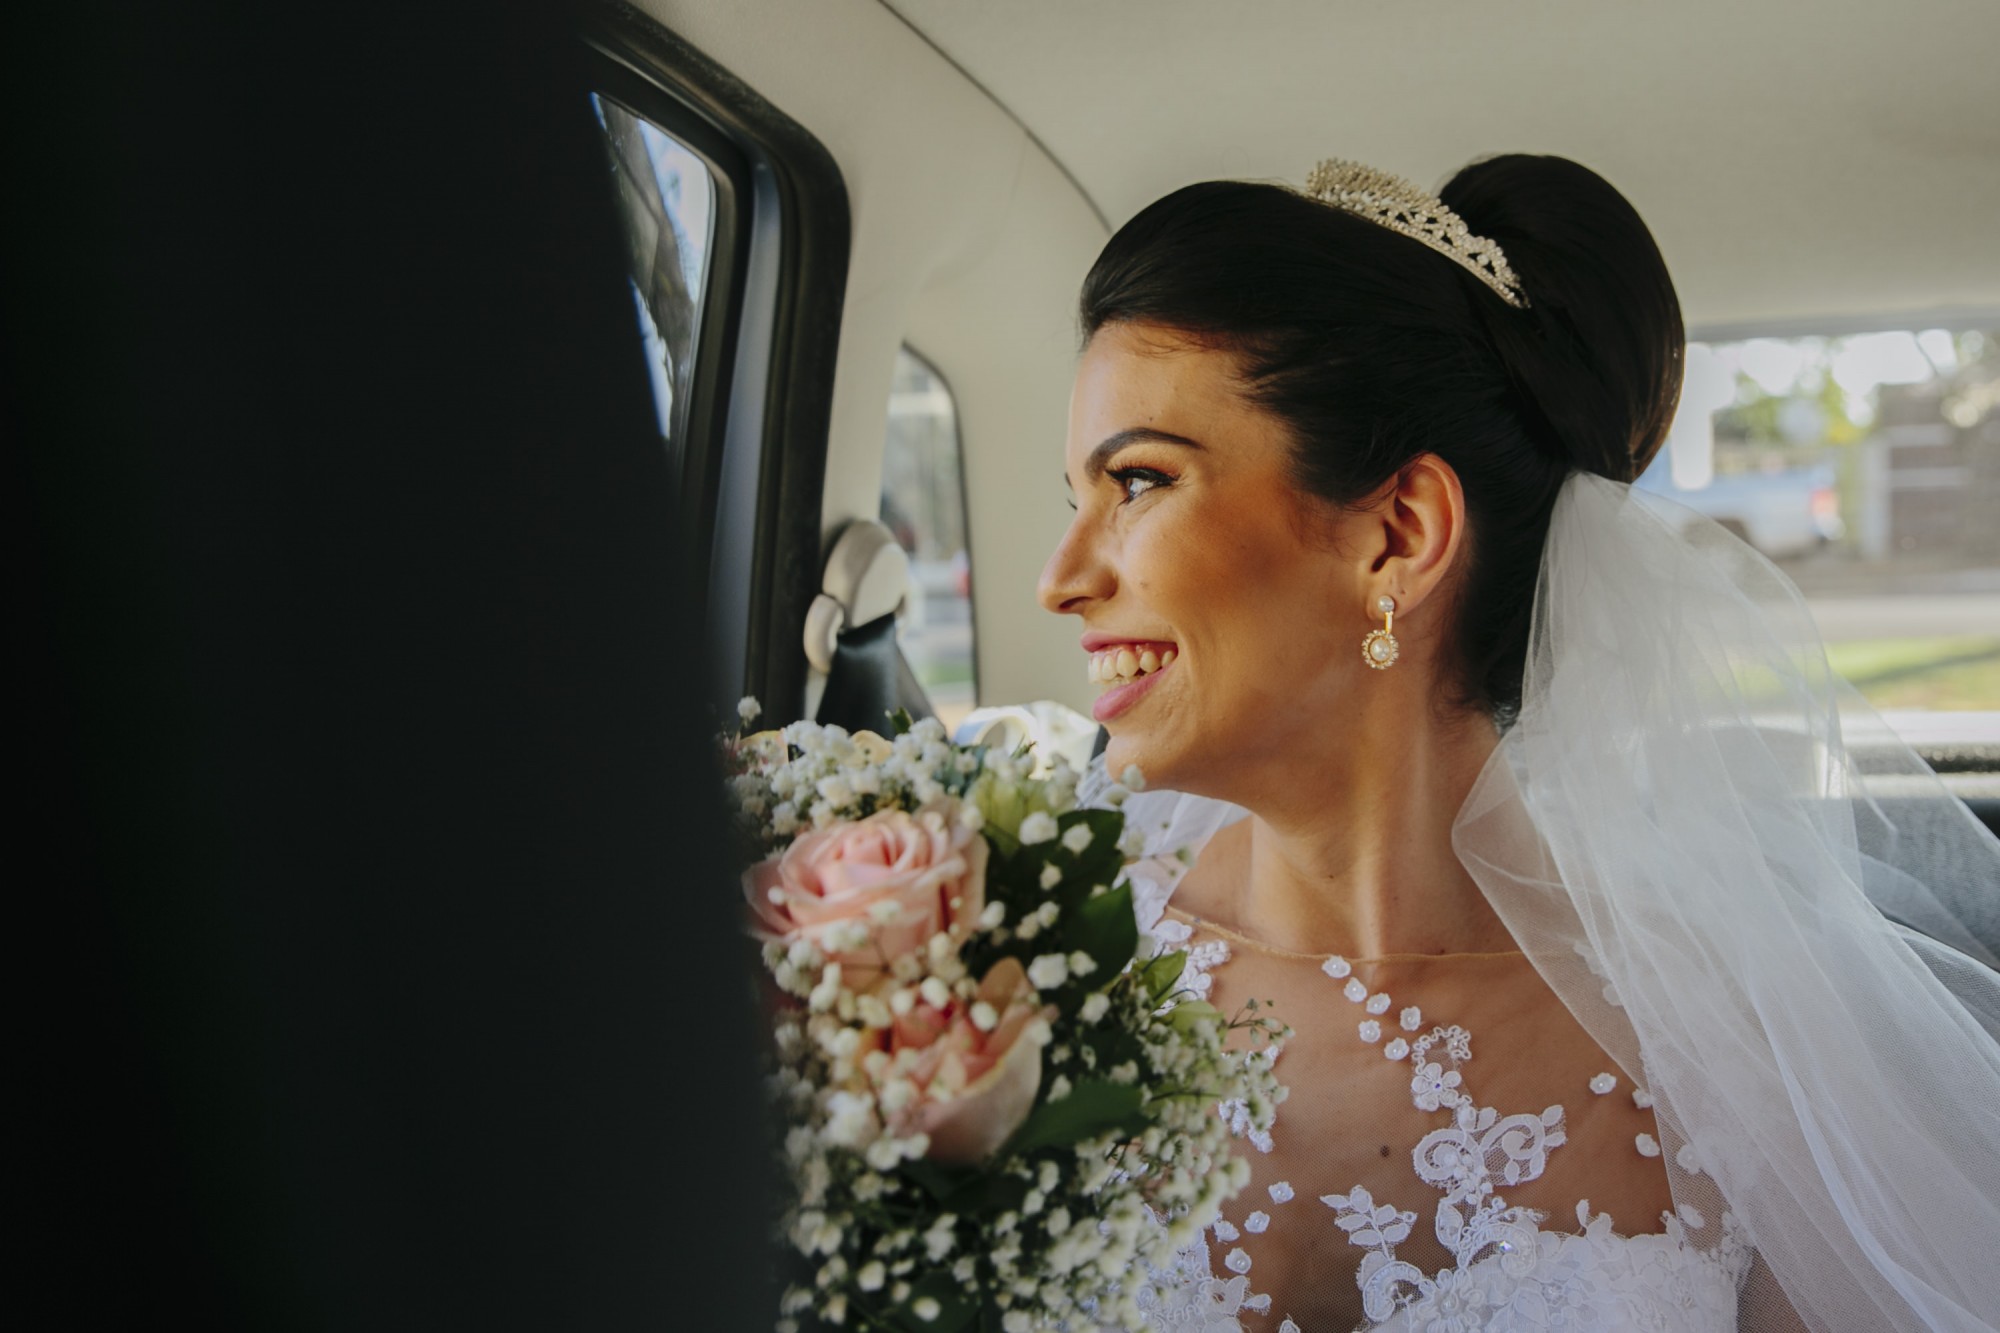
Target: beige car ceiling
[[1804, 164]]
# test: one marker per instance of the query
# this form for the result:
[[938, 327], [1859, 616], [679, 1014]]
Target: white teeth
[[1121, 666]]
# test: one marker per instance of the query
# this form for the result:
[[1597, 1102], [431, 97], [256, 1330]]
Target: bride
[[1525, 798]]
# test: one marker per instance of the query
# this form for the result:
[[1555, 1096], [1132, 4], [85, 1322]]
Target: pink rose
[[974, 1086], [903, 877]]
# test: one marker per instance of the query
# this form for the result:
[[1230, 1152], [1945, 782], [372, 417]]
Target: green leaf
[[968, 1191], [1160, 975], [1089, 1110], [1185, 1015], [1098, 863], [900, 721], [1104, 928], [939, 1182]]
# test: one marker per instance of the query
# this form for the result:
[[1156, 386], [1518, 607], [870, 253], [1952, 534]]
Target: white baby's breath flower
[[871, 1276], [937, 994], [926, 1308], [1038, 827], [1095, 1007], [1132, 779], [747, 708], [846, 936], [850, 1120], [1081, 964], [971, 817], [1050, 877], [1077, 838], [992, 916], [1048, 971], [985, 1017]]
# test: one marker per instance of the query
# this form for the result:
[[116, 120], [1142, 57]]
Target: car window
[[923, 504], [666, 196], [1868, 467]]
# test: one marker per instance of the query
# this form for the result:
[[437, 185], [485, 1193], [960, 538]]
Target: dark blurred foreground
[[381, 949]]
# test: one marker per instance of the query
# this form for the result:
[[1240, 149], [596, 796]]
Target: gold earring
[[1379, 648]]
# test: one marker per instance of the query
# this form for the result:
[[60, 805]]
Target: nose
[[1076, 573]]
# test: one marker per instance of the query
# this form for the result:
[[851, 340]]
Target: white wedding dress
[[1454, 1224], [1723, 1086]]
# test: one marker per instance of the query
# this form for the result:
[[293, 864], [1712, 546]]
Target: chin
[[1157, 763]]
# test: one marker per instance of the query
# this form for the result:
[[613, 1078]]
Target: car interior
[[1014, 142], [439, 418]]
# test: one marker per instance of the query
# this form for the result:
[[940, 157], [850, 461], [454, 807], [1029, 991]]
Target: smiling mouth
[[1129, 662]]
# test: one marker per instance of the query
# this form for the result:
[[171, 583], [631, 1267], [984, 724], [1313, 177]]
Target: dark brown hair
[[1374, 349]]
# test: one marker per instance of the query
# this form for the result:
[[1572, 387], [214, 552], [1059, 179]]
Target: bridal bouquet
[[994, 1111]]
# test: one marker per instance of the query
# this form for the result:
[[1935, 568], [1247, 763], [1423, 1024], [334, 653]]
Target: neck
[[1349, 845]]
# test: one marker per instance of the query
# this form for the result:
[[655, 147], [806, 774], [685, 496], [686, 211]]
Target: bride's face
[[1219, 606]]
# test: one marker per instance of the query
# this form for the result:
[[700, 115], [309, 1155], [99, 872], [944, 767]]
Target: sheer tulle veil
[[1700, 836]]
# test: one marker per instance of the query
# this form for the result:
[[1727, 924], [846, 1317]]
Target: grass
[[1956, 673]]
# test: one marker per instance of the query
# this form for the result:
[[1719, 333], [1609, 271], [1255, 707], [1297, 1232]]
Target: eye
[[1136, 481]]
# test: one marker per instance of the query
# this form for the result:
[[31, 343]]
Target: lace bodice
[[1409, 1186]]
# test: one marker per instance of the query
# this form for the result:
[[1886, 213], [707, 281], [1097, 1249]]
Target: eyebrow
[[1093, 466]]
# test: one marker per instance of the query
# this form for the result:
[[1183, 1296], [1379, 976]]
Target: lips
[[1123, 697]]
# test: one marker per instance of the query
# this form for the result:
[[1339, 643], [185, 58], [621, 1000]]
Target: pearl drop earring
[[1379, 648]]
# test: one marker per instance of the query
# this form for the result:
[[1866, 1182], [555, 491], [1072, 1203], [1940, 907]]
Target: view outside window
[[923, 504], [1868, 467], [667, 198]]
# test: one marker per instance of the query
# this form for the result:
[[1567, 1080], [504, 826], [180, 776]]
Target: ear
[[1419, 521]]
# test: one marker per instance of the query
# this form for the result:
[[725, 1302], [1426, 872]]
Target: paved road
[[1845, 619]]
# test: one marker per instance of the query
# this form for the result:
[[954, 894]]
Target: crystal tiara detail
[[1395, 203]]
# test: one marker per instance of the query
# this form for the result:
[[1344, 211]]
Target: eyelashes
[[1129, 479], [1134, 482]]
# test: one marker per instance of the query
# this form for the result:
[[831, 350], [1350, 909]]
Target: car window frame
[[756, 462]]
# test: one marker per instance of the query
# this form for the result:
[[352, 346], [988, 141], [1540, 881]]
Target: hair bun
[[1596, 358]]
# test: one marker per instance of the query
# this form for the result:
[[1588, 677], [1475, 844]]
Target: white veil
[[1695, 830]]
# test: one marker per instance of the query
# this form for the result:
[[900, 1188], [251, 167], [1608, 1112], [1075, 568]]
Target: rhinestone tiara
[[1395, 203]]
